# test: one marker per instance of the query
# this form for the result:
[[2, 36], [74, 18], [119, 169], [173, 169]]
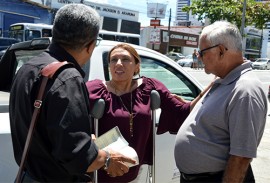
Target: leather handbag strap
[[47, 72]]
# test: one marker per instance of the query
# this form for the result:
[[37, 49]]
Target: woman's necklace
[[130, 112]]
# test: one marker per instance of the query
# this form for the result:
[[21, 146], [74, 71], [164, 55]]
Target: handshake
[[116, 164], [115, 154]]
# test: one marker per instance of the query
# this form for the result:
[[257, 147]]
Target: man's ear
[[222, 50], [90, 47]]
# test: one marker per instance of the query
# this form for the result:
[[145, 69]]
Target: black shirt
[[61, 148]]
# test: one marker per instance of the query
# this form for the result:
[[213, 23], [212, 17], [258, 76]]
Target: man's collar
[[62, 55], [235, 73]]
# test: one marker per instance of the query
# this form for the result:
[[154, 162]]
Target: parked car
[[175, 56], [5, 42], [176, 79], [186, 62], [261, 63]]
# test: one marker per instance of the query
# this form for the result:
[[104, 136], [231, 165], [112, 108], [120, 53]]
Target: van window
[[31, 34], [134, 40], [175, 81], [122, 38], [46, 33], [108, 37]]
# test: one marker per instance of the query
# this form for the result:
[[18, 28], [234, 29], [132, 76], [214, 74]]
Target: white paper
[[113, 140]]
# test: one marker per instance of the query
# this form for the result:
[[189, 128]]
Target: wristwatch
[[107, 160]]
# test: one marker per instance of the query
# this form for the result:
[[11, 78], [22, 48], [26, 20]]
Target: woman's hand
[[193, 103], [93, 136], [179, 98]]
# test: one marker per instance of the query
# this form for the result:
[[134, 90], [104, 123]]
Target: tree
[[230, 10], [261, 15]]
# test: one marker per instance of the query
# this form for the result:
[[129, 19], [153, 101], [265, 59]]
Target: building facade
[[43, 11], [179, 39], [182, 18], [113, 18], [20, 11], [255, 43]]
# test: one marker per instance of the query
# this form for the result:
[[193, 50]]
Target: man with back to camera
[[62, 149], [220, 137]]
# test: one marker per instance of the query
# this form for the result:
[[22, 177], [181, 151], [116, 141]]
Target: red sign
[[154, 22], [191, 43]]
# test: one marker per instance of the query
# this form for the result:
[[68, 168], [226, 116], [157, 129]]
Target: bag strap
[[47, 72]]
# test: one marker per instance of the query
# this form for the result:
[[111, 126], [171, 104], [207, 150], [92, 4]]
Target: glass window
[[31, 34], [134, 40], [253, 43], [46, 33], [174, 80], [121, 38], [108, 37], [18, 35], [24, 56]]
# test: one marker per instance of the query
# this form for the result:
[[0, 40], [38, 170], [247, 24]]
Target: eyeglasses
[[98, 40], [201, 51]]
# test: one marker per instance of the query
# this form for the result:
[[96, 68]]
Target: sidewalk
[[261, 164]]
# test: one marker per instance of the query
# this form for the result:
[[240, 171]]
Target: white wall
[[188, 50], [268, 50], [265, 44]]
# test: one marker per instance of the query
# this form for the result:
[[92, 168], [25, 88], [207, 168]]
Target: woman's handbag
[[47, 72]]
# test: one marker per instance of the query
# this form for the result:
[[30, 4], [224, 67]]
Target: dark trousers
[[213, 177]]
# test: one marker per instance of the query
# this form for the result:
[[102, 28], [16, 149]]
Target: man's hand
[[236, 169], [93, 137], [118, 166]]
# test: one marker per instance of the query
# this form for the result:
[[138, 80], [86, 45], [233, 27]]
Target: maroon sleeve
[[173, 112], [96, 90]]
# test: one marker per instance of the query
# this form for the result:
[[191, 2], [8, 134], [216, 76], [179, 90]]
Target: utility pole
[[243, 24], [169, 31], [243, 17]]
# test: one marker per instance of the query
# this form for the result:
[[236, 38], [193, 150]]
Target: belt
[[190, 177]]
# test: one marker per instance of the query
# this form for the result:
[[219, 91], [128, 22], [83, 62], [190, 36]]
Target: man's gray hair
[[224, 33], [75, 26]]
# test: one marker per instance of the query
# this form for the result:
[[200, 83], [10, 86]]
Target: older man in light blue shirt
[[220, 137]]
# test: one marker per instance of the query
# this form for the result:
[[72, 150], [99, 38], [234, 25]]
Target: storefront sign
[[191, 43], [155, 36], [154, 22], [104, 10], [180, 39], [183, 37]]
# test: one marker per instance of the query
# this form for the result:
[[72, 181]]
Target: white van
[[164, 69]]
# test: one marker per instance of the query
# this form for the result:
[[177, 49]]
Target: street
[[260, 164]]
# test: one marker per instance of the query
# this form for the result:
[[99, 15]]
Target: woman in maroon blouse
[[127, 105]]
